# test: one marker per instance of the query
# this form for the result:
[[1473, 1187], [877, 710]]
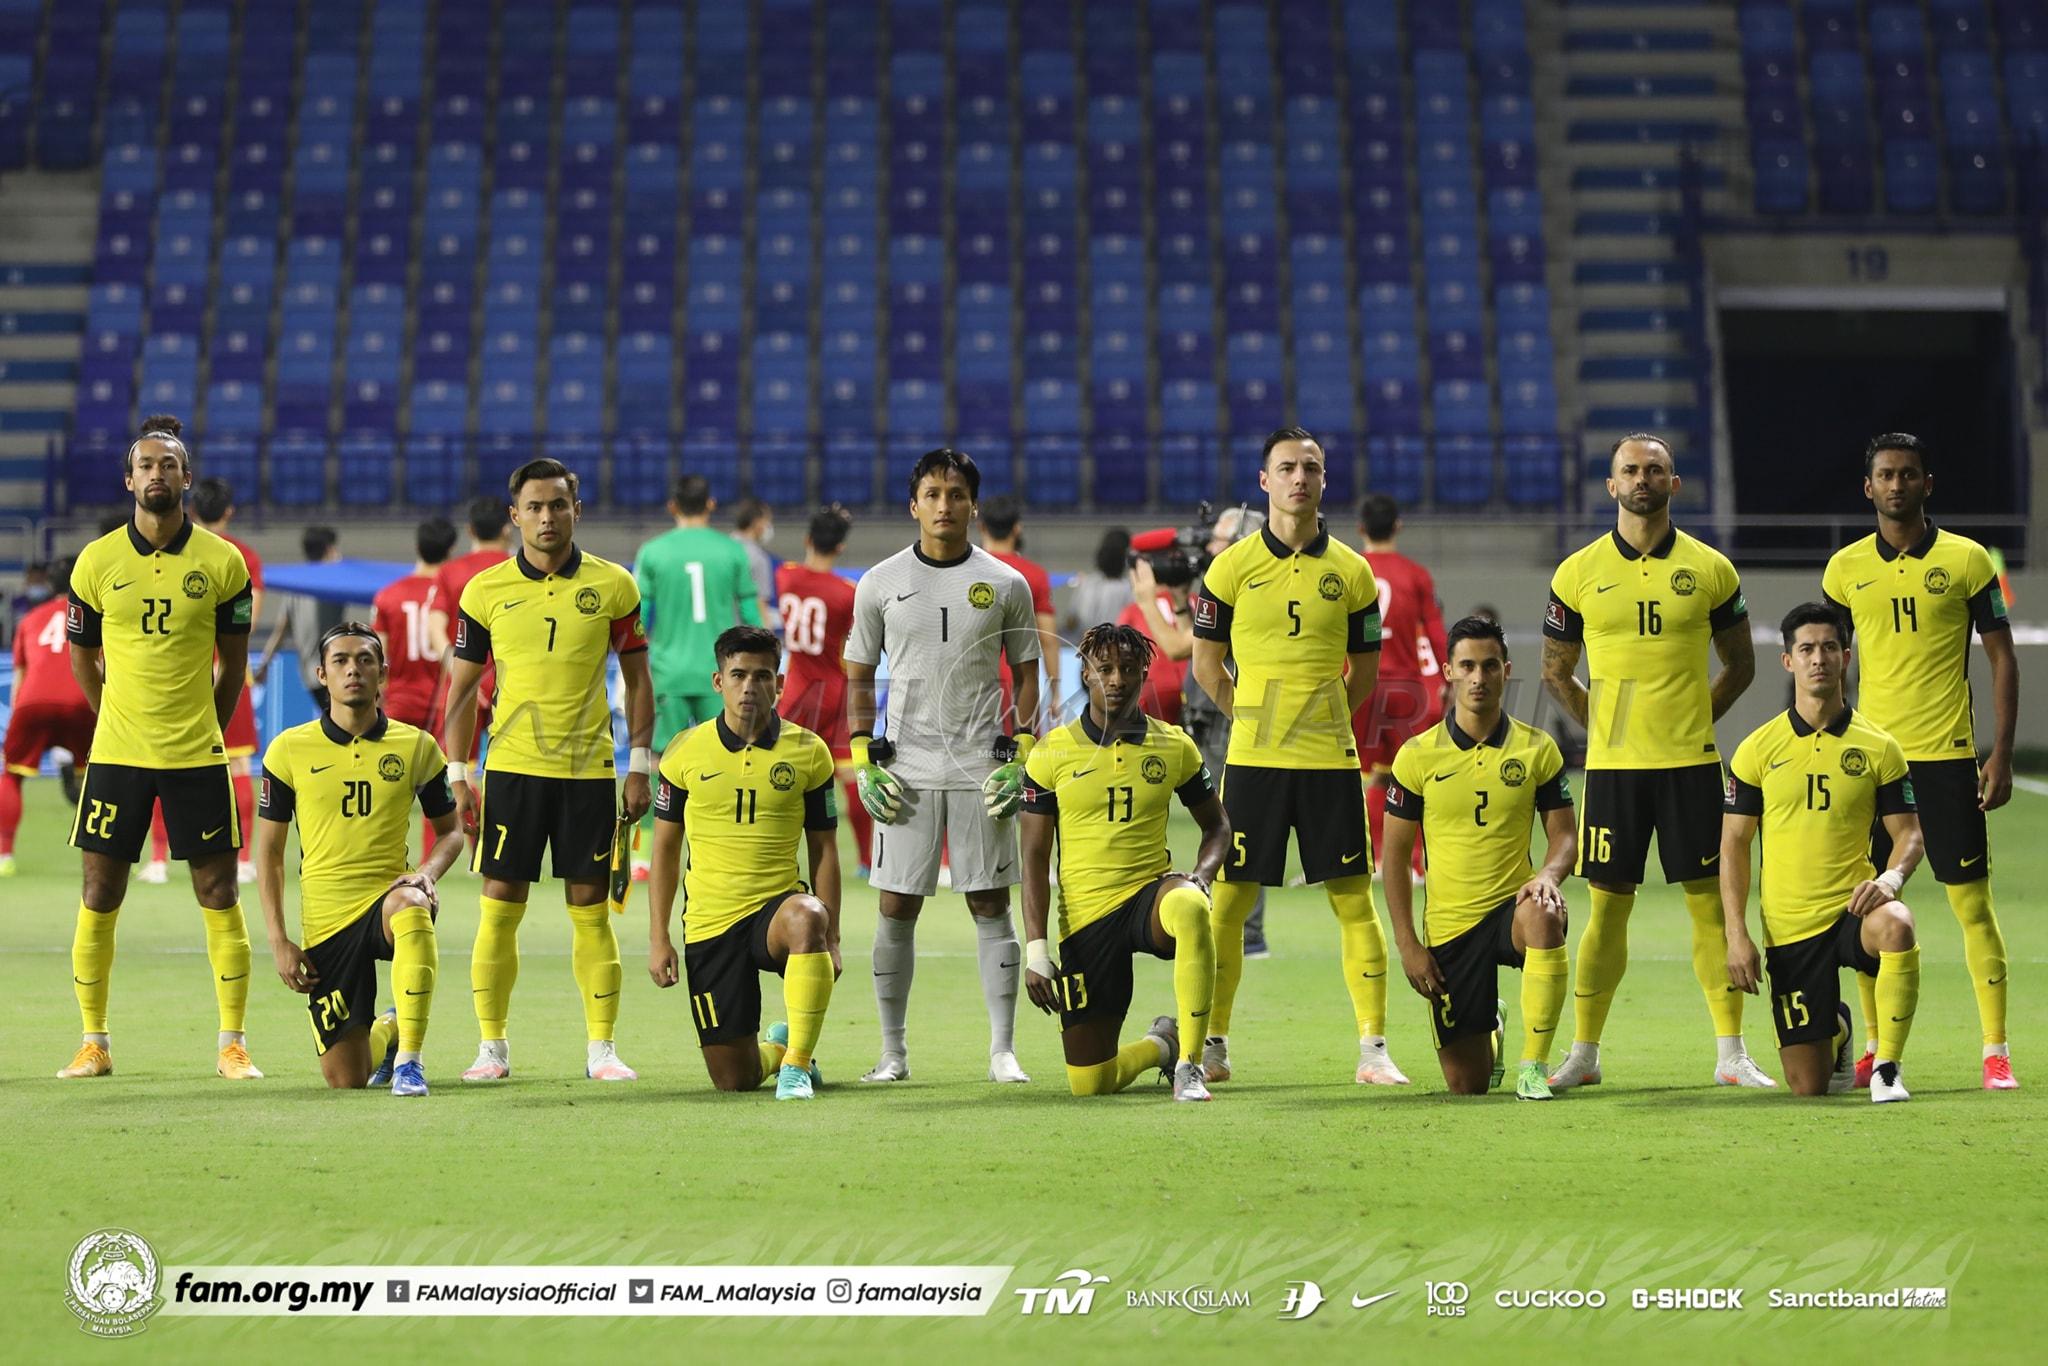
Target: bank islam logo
[[113, 1283], [1196, 1299], [1077, 1296]]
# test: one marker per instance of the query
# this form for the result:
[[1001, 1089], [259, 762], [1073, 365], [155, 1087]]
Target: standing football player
[[1913, 593], [349, 780], [1103, 786], [551, 617], [48, 709], [1812, 781], [948, 774], [1409, 698], [816, 604], [1299, 612], [399, 613], [489, 527], [151, 603], [1644, 604]]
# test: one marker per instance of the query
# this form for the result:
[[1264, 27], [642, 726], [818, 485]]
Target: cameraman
[[1162, 568], [1200, 716]]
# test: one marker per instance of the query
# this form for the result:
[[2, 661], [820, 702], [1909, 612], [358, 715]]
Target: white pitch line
[[2033, 785]]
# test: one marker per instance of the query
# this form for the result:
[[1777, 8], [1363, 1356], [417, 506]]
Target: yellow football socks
[[1603, 958], [383, 1033], [415, 963], [1363, 951], [227, 949], [1132, 1061], [1898, 996], [772, 1054], [1544, 975], [1184, 911], [1230, 906], [494, 963], [806, 991], [1710, 956], [594, 958], [1983, 951], [92, 963], [1866, 987]]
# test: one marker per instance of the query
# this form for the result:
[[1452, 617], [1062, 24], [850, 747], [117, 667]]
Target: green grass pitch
[[1657, 1178]]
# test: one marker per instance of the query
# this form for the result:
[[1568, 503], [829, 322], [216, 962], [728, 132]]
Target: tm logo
[[1060, 1299]]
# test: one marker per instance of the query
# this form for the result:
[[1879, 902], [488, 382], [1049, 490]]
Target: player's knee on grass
[[1889, 928], [213, 881], [734, 1066], [1467, 1064], [1808, 1067], [1098, 1079], [1537, 925], [345, 1066]]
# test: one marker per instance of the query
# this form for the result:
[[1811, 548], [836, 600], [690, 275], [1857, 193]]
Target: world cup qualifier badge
[[113, 1281]]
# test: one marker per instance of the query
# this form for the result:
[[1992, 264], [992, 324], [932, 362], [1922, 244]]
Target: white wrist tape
[[1891, 879], [1038, 959], [458, 772], [641, 760]]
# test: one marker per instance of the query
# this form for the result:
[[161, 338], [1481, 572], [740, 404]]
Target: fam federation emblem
[[1855, 763], [1331, 587], [1153, 769], [391, 768], [113, 1280], [1684, 582], [588, 601], [981, 596], [782, 777], [1937, 580], [1514, 773], [195, 585]]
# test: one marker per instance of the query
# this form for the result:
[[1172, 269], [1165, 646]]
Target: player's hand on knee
[[1867, 897], [1543, 892], [294, 969], [662, 965], [1423, 974]]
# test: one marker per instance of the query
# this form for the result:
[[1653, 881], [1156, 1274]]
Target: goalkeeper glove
[[878, 788], [1002, 792]]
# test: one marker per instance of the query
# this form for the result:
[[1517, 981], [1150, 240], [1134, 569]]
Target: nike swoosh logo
[[1605, 586], [1002, 868], [906, 597], [1992, 983], [1348, 858], [603, 995], [508, 606], [1585, 995], [1358, 1302], [1964, 863], [1780, 764], [119, 586], [236, 978], [1708, 859], [1006, 966], [885, 974], [1368, 976], [410, 992], [1534, 1030], [1901, 1019], [1438, 777], [213, 832], [707, 777], [321, 768], [1260, 584], [1083, 772], [1865, 584], [96, 981], [601, 855]]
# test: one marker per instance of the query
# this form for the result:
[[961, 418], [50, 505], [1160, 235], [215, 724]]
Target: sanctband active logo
[[113, 1280]]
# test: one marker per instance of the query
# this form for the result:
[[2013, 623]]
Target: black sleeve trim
[[1895, 798], [1039, 801], [1984, 613], [818, 812], [1730, 613], [275, 799], [1742, 799], [1197, 789], [1212, 617], [669, 801], [472, 638], [437, 799], [1848, 617], [1561, 622], [1362, 632], [1554, 795], [83, 624], [232, 618], [1402, 802]]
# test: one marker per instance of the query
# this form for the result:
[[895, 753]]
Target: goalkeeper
[[949, 775]]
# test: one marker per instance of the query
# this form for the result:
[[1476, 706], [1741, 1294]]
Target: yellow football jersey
[[551, 635], [1818, 792], [352, 798], [1913, 611], [1477, 802], [1647, 622], [748, 806], [1290, 618], [1110, 794], [155, 615]]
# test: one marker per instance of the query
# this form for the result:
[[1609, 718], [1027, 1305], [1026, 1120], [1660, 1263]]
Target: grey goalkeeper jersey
[[945, 626]]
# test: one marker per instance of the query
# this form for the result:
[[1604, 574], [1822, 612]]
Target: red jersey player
[[817, 613], [213, 507], [1001, 538], [399, 612], [488, 518], [50, 712], [1409, 698]]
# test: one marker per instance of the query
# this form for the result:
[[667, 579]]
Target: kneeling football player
[[1103, 784], [1473, 785], [350, 779], [749, 783], [1815, 779]]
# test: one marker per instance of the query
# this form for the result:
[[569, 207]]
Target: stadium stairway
[[46, 221], [1640, 80]]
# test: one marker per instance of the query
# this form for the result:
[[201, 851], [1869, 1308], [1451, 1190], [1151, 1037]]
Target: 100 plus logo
[[1446, 1299]]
